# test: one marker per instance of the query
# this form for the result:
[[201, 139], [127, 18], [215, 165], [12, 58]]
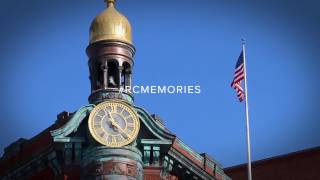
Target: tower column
[[120, 76], [127, 77], [104, 67], [113, 163]]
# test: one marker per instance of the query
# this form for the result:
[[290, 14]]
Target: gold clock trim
[[132, 113]]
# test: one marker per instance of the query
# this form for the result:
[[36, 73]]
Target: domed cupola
[[110, 53], [110, 25]]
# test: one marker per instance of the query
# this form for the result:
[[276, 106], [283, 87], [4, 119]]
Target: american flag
[[238, 77]]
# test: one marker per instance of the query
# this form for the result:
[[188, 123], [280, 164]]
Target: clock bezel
[[103, 105]]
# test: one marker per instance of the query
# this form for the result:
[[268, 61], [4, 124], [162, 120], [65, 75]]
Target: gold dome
[[110, 25]]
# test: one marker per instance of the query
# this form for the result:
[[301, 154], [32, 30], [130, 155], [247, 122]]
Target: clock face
[[114, 124]]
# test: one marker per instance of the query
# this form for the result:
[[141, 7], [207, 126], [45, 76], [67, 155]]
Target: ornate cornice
[[59, 135], [155, 127]]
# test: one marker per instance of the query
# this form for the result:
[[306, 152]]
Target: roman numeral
[[130, 124], [121, 111], [99, 130], [113, 140], [102, 134], [113, 108], [125, 113], [97, 122]]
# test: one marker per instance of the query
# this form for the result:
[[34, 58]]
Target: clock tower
[[113, 123], [109, 138]]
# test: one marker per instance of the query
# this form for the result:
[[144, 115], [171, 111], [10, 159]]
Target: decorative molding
[[151, 155], [68, 153], [186, 163], [77, 153], [167, 166], [54, 164], [190, 151], [155, 141], [156, 155], [114, 167], [103, 153], [59, 135], [154, 127], [146, 155], [109, 94]]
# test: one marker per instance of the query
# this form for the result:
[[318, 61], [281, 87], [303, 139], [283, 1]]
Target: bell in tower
[[110, 56]]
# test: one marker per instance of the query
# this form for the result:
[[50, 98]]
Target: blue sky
[[44, 69]]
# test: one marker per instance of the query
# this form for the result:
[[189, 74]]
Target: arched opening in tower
[[126, 75], [113, 74]]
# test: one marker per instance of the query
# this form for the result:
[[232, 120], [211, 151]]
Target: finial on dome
[[110, 3]]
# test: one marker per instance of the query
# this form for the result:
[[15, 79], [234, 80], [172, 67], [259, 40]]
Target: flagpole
[[247, 110]]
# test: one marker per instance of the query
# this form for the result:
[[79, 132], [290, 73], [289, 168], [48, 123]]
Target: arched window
[[98, 76], [91, 76], [126, 73], [113, 74]]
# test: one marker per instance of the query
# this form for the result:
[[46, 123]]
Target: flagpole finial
[[243, 41]]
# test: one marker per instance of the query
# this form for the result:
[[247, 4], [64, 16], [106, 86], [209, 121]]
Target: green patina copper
[[103, 153], [167, 166], [155, 147], [68, 153], [54, 164], [194, 154], [146, 155], [103, 95], [60, 135], [155, 128], [156, 155], [155, 141]]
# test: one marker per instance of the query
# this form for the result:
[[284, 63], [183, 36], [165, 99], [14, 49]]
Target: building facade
[[109, 138], [301, 165]]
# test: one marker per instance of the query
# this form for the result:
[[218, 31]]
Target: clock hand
[[114, 123], [111, 125], [111, 122], [119, 128]]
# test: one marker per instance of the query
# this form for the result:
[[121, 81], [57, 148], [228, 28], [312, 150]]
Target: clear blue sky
[[44, 69]]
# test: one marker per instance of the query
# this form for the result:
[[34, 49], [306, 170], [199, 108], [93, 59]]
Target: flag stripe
[[238, 72], [238, 77], [239, 68]]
